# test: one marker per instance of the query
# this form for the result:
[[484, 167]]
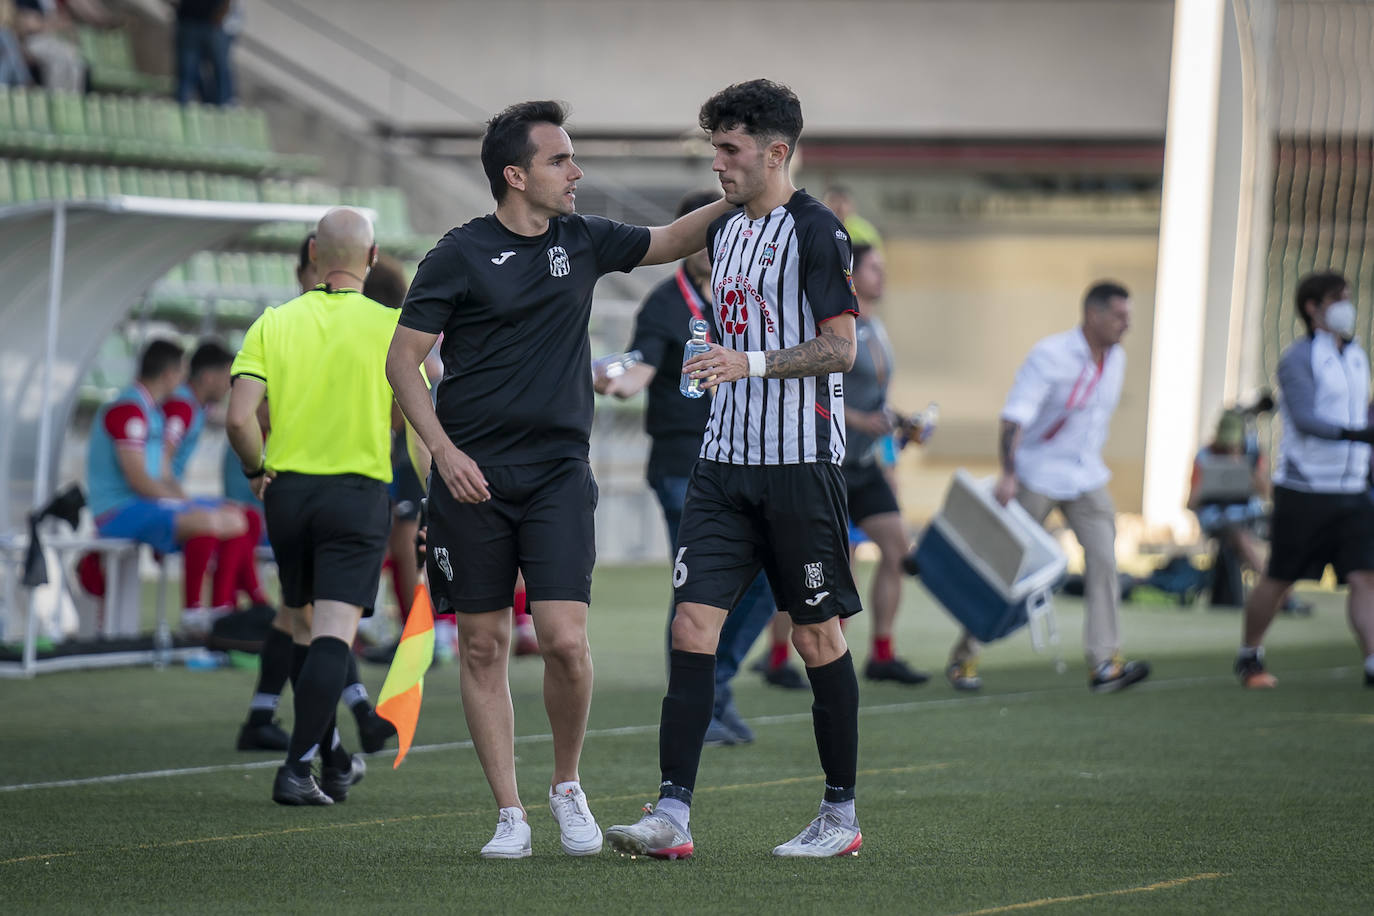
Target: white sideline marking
[[624, 730]]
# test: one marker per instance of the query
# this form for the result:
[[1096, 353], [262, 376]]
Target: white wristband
[[757, 364]]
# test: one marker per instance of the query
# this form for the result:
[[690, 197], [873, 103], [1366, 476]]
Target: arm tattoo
[[1007, 441], [821, 355]]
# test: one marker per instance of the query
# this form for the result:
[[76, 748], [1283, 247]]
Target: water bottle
[[691, 387], [926, 421], [616, 364]]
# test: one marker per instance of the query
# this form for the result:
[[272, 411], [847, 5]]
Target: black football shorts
[[789, 520], [1309, 530], [541, 519]]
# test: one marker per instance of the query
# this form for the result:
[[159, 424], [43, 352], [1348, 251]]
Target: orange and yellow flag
[[399, 702]]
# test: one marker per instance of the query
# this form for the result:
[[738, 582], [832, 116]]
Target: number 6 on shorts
[[679, 569]]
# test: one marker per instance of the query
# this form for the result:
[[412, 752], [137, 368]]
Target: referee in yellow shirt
[[321, 360]]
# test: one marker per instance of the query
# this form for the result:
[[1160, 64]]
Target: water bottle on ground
[[691, 387]]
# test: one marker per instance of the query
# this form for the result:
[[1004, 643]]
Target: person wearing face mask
[[1322, 512]]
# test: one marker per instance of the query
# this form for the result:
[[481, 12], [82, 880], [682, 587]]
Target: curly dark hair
[[1315, 288], [507, 140], [764, 109]]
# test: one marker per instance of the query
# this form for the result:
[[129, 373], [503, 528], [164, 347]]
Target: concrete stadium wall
[[892, 67]]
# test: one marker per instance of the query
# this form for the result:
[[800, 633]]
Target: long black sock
[[682, 726], [331, 748], [354, 693], [274, 668], [298, 653], [835, 716], [317, 694]]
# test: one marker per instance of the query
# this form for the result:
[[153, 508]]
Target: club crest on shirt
[[559, 266], [770, 251], [815, 576], [734, 311]]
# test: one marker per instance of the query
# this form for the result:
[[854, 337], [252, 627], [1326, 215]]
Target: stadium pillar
[[1204, 250]]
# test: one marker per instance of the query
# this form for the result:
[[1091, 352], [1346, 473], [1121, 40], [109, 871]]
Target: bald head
[[343, 242]]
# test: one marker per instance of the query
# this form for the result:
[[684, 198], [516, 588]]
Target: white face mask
[[1340, 318]]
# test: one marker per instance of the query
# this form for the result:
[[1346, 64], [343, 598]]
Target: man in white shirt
[[1054, 424], [1322, 509]]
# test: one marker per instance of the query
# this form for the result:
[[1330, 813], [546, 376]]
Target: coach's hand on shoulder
[[461, 475], [718, 366]]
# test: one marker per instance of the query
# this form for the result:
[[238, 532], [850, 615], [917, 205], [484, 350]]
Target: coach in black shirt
[[512, 294]]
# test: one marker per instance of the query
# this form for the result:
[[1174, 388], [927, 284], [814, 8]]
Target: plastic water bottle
[[926, 421], [691, 387], [616, 364]]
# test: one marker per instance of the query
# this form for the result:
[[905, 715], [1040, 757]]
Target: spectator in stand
[[14, 67], [202, 52], [132, 492], [1230, 516], [46, 34]]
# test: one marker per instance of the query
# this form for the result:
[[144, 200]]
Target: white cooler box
[[992, 567]]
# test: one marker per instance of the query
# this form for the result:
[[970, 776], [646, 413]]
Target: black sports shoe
[[894, 670], [1252, 673], [910, 566], [373, 732], [266, 737], [290, 789], [786, 677], [336, 783], [1118, 675]]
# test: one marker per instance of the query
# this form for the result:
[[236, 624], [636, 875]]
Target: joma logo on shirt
[[559, 266]]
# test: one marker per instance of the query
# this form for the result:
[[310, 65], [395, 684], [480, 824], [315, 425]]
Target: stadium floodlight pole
[[56, 266]]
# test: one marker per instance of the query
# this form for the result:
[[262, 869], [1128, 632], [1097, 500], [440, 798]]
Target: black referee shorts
[[868, 492], [541, 519], [1309, 530], [329, 535], [790, 520]]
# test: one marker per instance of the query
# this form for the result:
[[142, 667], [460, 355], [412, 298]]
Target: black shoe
[[268, 736], [910, 566], [336, 783], [1252, 673], [894, 670], [1118, 675], [290, 789], [760, 664], [786, 677], [373, 731]]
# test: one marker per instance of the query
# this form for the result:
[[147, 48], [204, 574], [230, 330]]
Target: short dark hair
[[507, 140], [695, 200], [1101, 294], [1314, 288], [303, 259], [386, 282], [159, 356], [762, 108], [860, 251], [210, 356]]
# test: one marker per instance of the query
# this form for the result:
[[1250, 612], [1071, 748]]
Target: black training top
[[674, 423], [513, 309]]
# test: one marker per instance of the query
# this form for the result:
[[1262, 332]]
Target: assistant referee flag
[[399, 702]]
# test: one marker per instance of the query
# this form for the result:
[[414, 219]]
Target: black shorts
[[789, 520], [1309, 530], [329, 535], [869, 492], [541, 520]]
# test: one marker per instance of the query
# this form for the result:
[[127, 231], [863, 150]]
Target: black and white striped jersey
[[775, 280]]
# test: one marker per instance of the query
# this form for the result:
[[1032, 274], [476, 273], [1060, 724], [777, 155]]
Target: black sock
[[274, 668], [317, 688], [298, 653], [357, 696], [686, 715], [835, 716]]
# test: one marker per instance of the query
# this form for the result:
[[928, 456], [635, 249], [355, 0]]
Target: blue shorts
[[150, 521]]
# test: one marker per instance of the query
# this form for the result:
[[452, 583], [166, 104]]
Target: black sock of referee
[[317, 694], [355, 694], [298, 653], [682, 728], [274, 668], [332, 752], [835, 716]]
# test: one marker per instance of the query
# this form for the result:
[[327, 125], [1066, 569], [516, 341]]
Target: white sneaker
[[822, 838], [577, 828], [654, 835], [512, 839]]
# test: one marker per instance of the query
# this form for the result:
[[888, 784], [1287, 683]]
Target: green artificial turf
[[1185, 795]]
